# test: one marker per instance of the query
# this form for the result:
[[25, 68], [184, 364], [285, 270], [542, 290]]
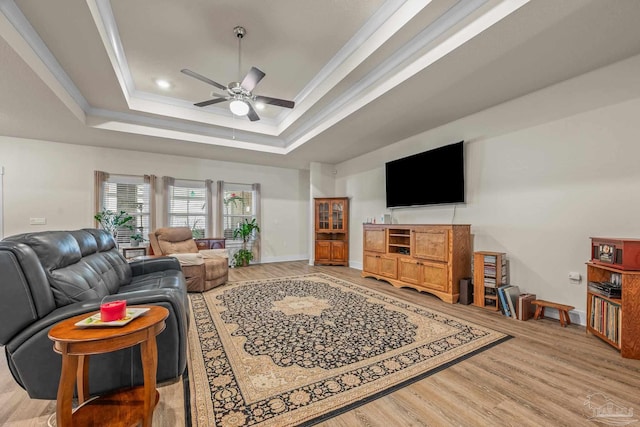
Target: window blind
[[187, 206], [132, 195]]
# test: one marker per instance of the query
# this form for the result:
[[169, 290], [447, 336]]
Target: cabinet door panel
[[337, 251], [323, 251], [374, 240], [408, 271], [371, 263], [431, 244], [389, 267], [435, 276]]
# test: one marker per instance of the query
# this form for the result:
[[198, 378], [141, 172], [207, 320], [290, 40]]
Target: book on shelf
[[525, 309], [503, 300], [511, 295]]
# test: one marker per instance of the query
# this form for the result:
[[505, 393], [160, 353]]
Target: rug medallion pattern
[[287, 351]]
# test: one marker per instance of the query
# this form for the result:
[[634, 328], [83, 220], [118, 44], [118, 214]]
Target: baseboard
[[355, 264], [268, 260]]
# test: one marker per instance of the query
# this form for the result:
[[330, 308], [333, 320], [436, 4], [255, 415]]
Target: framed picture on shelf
[[133, 252]]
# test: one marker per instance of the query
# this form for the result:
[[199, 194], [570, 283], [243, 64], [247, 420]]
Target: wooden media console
[[428, 258]]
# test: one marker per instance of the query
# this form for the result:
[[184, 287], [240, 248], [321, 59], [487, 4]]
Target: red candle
[[114, 310]]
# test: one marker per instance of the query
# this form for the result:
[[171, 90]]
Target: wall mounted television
[[429, 178]]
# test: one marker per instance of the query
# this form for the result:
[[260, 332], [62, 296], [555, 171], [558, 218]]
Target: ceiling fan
[[240, 93]]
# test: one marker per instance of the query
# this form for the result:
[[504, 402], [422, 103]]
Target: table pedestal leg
[[65, 389], [149, 353], [82, 382]]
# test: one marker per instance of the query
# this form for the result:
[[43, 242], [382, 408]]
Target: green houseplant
[[244, 230], [114, 221], [136, 239]]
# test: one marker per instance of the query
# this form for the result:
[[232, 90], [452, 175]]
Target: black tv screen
[[433, 177]]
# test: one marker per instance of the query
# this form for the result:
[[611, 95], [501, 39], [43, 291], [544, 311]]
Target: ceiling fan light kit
[[240, 93], [238, 107]]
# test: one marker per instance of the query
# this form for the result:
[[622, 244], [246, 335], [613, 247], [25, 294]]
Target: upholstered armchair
[[203, 269]]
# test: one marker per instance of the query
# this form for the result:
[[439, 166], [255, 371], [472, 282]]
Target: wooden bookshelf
[[605, 317], [489, 273]]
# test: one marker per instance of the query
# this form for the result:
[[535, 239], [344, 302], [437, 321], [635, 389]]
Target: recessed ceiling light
[[259, 105], [163, 84]]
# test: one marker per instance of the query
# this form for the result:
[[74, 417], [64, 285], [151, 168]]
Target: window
[[187, 206], [188, 203], [237, 202], [238, 206], [131, 194]]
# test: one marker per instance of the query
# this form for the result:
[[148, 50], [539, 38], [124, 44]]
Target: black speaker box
[[466, 292]]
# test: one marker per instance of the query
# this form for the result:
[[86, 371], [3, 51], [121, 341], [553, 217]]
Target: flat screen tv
[[429, 178]]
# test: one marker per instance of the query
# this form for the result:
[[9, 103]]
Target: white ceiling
[[363, 73]]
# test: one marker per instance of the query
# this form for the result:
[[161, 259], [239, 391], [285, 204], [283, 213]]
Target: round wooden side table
[[75, 344]]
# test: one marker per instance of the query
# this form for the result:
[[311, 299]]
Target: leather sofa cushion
[[174, 240], [79, 265]]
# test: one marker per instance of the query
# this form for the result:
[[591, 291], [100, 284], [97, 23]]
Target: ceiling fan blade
[[203, 79], [210, 102], [274, 101], [252, 78], [253, 116]]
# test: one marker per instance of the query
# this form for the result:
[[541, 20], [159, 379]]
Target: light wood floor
[[541, 377]]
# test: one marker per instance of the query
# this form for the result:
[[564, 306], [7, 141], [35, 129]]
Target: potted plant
[[244, 230], [136, 239], [114, 221]]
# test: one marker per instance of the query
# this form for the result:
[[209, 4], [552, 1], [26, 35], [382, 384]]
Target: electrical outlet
[[37, 221]]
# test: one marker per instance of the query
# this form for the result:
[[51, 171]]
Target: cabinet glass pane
[[323, 215], [336, 209]]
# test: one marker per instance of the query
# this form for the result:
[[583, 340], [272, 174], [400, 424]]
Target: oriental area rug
[[298, 350]]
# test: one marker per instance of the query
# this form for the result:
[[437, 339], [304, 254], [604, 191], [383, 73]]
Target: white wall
[[55, 181], [536, 192]]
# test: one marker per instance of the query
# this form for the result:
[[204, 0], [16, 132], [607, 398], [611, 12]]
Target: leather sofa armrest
[[153, 265]]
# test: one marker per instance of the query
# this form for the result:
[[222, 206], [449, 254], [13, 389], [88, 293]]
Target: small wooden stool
[[563, 310]]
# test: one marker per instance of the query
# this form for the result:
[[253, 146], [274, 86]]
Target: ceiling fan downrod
[[240, 32]]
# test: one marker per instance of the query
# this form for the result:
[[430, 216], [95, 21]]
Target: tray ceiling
[[378, 64]]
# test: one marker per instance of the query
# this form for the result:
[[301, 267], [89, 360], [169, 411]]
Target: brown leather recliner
[[203, 270]]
